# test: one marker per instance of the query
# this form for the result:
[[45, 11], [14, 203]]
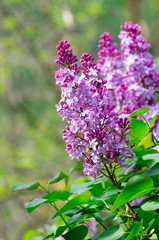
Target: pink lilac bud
[[66, 57]]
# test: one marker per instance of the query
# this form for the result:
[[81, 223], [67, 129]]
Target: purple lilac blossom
[[94, 129], [130, 73], [93, 228]]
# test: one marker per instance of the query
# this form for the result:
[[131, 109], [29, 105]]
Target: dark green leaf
[[142, 163], [77, 233], [146, 216], [150, 204], [60, 230], [112, 233], [48, 236], [73, 211], [78, 200], [61, 175], [139, 128], [135, 231], [136, 186], [77, 218], [139, 112], [154, 171], [22, 186], [149, 225]]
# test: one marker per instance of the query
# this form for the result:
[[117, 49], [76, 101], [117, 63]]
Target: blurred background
[[31, 145]]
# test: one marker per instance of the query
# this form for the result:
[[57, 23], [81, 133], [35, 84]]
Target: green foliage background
[[31, 146]]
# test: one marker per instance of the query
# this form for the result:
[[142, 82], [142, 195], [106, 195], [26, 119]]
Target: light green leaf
[[147, 142], [112, 233], [135, 231], [151, 122], [29, 234], [136, 186], [152, 156], [139, 128], [78, 200], [139, 112], [22, 186], [81, 188], [150, 204]]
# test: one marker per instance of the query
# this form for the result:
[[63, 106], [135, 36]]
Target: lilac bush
[[93, 96], [111, 109]]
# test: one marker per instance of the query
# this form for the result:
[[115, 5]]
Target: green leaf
[[141, 152], [151, 122], [136, 186], [77, 233], [61, 175], [139, 112], [134, 140], [76, 168], [154, 171], [22, 186], [60, 230], [135, 231], [112, 233], [149, 225], [147, 142], [109, 216], [152, 156], [32, 205], [150, 204], [81, 188], [57, 195], [48, 236], [146, 216], [139, 128], [76, 218], [78, 200], [142, 163], [97, 189], [29, 234]]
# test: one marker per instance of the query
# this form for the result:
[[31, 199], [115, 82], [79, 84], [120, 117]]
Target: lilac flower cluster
[[131, 75], [94, 131]]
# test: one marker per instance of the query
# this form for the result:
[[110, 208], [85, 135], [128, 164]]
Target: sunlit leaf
[[139, 112], [78, 200], [139, 128], [136, 186]]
